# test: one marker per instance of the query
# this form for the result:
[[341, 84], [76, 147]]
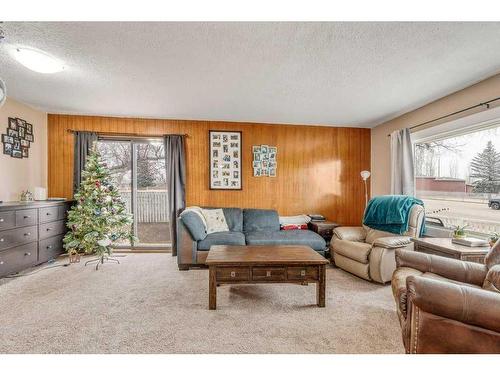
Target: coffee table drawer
[[268, 274], [302, 273], [233, 274]]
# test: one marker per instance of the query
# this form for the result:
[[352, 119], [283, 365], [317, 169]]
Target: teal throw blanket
[[390, 213]]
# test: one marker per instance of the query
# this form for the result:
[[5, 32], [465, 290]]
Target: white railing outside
[[152, 205]]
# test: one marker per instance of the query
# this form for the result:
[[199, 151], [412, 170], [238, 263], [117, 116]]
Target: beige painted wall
[[22, 174], [380, 146]]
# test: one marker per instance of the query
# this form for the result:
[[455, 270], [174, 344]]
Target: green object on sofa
[[391, 213]]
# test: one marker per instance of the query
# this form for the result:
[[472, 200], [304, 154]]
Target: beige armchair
[[369, 253]]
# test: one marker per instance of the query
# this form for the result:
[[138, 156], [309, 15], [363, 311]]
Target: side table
[[324, 229]]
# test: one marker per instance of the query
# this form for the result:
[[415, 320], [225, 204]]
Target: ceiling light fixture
[[37, 60]]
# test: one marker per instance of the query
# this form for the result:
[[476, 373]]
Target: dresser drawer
[[18, 258], [52, 229], [302, 273], [268, 274], [19, 236], [62, 212], [48, 214], [233, 274], [50, 248], [25, 218], [7, 220]]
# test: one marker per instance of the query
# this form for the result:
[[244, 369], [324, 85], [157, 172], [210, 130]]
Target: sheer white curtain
[[402, 167]]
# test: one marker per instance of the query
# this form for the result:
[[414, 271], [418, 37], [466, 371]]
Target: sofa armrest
[[466, 272], [350, 233], [492, 280], [461, 303], [392, 242]]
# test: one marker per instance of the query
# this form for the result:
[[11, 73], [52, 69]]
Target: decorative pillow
[[493, 257], [293, 226], [216, 221], [194, 224]]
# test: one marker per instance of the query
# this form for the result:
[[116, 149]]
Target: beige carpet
[[145, 305]]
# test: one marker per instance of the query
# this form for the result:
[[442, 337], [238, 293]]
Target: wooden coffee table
[[263, 265]]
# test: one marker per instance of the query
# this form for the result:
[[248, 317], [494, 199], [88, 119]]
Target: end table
[[324, 229]]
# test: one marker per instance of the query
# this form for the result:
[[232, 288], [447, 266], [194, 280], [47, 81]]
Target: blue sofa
[[246, 227]]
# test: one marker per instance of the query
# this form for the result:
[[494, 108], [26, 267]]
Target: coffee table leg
[[320, 286], [212, 289]]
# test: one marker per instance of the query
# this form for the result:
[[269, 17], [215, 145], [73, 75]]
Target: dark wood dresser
[[30, 233]]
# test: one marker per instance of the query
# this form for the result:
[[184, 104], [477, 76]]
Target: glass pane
[[117, 156], [151, 213], [458, 177]]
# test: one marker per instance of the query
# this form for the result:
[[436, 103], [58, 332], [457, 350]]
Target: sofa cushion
[[286, 237], [255, 220], [216, 220], [358, 251], [194, 224], [234, 219], [222, 238]]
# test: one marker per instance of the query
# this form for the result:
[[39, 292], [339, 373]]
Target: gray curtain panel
[[175, 158], [83, 145], [402, 167]]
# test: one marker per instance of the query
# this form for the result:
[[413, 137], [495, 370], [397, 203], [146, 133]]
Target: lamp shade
[[365, 175]]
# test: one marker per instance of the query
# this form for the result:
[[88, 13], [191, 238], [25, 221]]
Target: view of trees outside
[[456, 177], [151, 213]]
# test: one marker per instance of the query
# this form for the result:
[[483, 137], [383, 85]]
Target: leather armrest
[[466, 272], [350, 233], [392, 242], [461, 303], [492, 281]]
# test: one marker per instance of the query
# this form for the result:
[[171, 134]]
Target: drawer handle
[[1, 262], [50, 247], [27, 234], [49, 229], [27, 217], [1, 240], [268, 273], [27, 254], [2, 220], [48, 214], [302, 272], [233, 274]]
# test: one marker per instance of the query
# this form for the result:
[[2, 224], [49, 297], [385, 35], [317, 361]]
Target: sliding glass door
[[138, 171]]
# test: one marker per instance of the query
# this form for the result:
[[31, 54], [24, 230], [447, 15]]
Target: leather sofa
[[369, 253], [446, 305], [246, 227]]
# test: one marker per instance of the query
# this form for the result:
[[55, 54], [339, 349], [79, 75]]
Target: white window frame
[[469, 124]]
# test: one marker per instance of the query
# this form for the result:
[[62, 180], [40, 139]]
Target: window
[[458, 177]]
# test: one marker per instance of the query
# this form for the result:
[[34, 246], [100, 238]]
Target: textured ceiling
[[348, 74]]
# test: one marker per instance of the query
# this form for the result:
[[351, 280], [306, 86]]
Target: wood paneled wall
[[318, 167]]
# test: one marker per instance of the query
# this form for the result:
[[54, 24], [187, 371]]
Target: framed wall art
[[18, 138], [265, 162], [225, 160]]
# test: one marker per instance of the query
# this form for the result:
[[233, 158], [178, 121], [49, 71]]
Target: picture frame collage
[[18, 138], [225, 160], [265, 162]]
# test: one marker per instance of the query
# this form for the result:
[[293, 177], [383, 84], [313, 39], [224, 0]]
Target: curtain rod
[[129, 134], [487, 104]]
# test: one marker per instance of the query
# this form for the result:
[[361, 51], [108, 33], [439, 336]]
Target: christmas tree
[[100, 217]]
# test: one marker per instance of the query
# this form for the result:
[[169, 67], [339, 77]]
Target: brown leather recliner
[[446, 305]]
